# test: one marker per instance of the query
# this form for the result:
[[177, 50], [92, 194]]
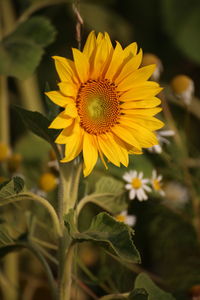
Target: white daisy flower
[[156, 183], [161, 136], [137, 185], [125, 218]]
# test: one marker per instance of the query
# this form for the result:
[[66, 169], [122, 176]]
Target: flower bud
[[4, 151], [48, 182], [149, 59], [183, 87]]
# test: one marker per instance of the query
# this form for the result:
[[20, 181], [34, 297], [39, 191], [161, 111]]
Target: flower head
[[108, 104], [156, 183], [48, 182], [183, 88], [137, 185], [125, 218]]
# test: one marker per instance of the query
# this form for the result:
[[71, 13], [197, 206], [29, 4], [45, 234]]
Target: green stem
[[66, 280], [69, 183], [33, 197], [11, 272], [4, 111], [115, 296], [90, 198], [92, 276], [30, 94], [33, 248]]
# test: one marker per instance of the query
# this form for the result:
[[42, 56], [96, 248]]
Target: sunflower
[[108, 104]]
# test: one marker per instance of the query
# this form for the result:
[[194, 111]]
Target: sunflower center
[[136, 183], [98, 106], [156, 185]]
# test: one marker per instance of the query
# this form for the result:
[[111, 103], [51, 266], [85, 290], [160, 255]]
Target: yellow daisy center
[[120, 218], [136, 183], [98, 106], [156, 185]]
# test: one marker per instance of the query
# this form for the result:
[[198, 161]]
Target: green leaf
[[154, 292], [38, 124], [114, 236], [107, 184], [21, 51], [112, 203], [138, 294], [14, 186], [109, 195]]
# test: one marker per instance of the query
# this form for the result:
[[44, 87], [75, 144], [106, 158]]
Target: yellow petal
[[107, 149], [99, 37], [142, 112], [126, 135], [90, 45], [118, 147], [74, 144], [135, 151], [69, 90], [116, 60], [90, 153], [147, 103], [65, 68], [65, 133], [130, 50], [150, 123], [137, 76], [145, 137], [58, 98], [142, 91], [100, 59], [132, 65], [61, 121], [71, 111], [82, 64]]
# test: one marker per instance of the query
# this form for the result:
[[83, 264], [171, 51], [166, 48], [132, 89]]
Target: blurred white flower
[[176, 195], [156, 183], [125, 218], [137, 185], [162, 139]]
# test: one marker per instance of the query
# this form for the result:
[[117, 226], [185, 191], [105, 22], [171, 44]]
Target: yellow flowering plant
[[97, 197]]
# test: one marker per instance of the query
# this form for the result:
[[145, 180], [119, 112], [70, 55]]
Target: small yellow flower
[[4, 151], [183, 88], [156, 183], [14, 162], [48, 182], [137, 185], [125, 218], [108, 104]]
